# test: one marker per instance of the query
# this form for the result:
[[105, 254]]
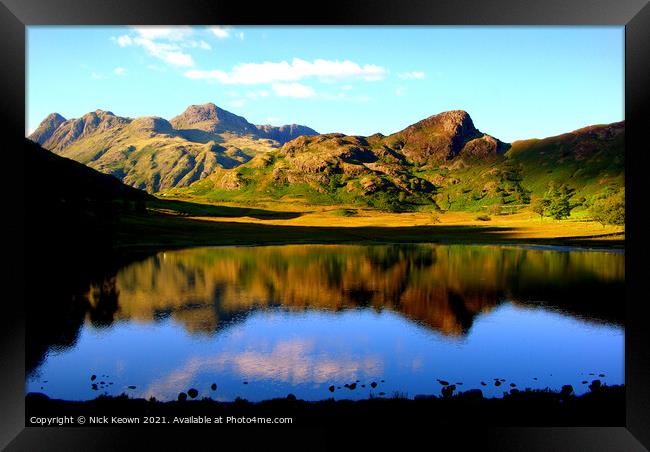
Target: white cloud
[[123, 41], [347, 87], [170, 52], [272, 119], [297, 90], [237, 103], [119, 71], [167, 33], [220, 32], [97, 76], [413, 75], [298, 69]]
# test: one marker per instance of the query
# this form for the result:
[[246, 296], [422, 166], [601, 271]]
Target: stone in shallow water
[[353, 386], [512, 385], [94, 387], [213, 387], [131, 387], [595, 385], [382, 393], [291, 397], [182, 397], [443, 382], [192, 393], [92, 377], [447, 391], [566, 391], [373, 384], [331, 388], [497, 383]]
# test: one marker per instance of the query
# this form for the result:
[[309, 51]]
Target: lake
[[339, 321]]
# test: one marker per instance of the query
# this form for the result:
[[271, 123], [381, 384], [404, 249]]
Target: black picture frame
[[15, 15]]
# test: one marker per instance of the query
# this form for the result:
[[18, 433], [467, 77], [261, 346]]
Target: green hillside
[[442, 162]]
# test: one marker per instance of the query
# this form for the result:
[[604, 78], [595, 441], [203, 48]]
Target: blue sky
[[515, 82]]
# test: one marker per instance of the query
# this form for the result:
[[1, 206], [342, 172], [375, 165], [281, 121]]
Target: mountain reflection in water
[[443, 287], [252, 299]]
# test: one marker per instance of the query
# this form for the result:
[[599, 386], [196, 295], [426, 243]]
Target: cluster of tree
[[556, 202], [609, 208]]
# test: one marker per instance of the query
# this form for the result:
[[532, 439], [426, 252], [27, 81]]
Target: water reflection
[[444, 287], [302, 318]]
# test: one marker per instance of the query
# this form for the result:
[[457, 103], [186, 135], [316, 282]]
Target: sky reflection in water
[[297, 319]]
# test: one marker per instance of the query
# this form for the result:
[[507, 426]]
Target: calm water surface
[[263, 322]]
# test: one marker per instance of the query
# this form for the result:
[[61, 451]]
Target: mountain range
[[443, 160], [152, 153]]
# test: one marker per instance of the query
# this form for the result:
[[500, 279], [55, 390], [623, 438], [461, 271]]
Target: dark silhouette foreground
[[603, 406]]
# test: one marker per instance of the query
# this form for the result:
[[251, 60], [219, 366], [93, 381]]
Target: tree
[[539, 206], [558, 197], [609, 208]]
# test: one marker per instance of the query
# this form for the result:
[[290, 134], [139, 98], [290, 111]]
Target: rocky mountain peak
[[442, 137], [210, 118], [46, 128]]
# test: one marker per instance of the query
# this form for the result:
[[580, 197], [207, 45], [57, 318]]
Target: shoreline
[[605, 405]]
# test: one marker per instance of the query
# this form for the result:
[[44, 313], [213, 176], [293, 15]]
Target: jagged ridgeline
[[154, 154], [443, 161]]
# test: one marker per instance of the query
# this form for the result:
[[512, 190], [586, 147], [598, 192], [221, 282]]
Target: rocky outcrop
[[210, 118], [47, 128], [442, 137], [283, 134]]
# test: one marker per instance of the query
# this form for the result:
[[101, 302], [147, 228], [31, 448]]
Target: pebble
[[192, 393], [182, 397], [213, 387]]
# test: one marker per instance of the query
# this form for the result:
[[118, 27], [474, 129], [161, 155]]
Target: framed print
[[376, 219]]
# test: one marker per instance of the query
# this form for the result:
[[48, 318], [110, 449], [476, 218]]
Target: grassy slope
[[588, 160], [97, 211]]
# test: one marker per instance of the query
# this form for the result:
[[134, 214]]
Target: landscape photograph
[[317, 225]]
